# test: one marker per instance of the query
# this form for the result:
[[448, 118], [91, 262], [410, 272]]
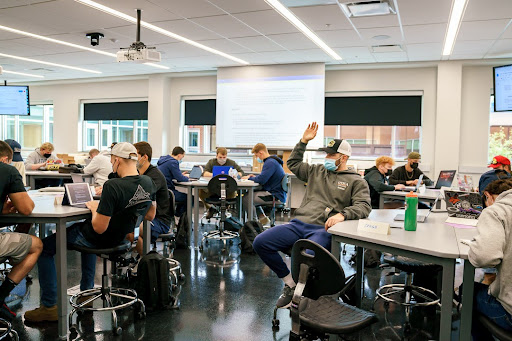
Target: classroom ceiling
[[247, 29]]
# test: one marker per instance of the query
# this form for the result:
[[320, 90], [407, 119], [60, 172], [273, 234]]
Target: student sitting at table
[[22, 250], [99, 167], [108, 227], [377, 178], [333, 194], [500, 170], [162, 221], [17, 160], [491, 247], [409, 173], [221, 159], [270, 179], [41, 156], [169, 165]]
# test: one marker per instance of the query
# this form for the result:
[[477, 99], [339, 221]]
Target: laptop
[[195, 173], [77, 194], [466, 205], [414, 188], [220, 170], [420, 218], [77, 178], [445, 178]]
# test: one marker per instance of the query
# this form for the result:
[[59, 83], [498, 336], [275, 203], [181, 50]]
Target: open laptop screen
[[78, 193], [445, 178], [196, 172]]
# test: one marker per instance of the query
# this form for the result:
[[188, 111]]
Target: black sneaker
[[285, 300], [211, 212], [6, 313]]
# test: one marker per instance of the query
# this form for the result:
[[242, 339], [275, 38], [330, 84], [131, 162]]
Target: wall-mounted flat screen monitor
[[503, 88], [14, 100]]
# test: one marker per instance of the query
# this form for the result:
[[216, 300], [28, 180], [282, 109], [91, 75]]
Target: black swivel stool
[[274, 203], [6, 331], [496, 331], [315, 313], [220, 187]]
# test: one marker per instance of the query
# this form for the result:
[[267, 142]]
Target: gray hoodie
[[328, 192], [35, 157], [492, 247]]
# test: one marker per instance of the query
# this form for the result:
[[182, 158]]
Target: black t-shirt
[[162, 194], [118, 200], [10, 181]]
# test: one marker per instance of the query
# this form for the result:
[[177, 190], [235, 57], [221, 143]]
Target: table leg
[[359, 275], [32, 182], [146, 246], [240, 211], [381, 201], [335, 248], [447, 299], [251, 204], [467, 300], [196, 216], [62, 279], [189, 209]]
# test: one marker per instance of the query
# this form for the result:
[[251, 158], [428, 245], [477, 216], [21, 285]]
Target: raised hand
[[310, 132]]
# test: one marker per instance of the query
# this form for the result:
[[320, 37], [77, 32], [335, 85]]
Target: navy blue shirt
[[170, 168], [271, 177], [490, 176]]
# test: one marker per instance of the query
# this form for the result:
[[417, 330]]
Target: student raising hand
[[310, 132]]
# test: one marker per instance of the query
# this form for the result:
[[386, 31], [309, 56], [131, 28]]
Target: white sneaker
[[133, 270]]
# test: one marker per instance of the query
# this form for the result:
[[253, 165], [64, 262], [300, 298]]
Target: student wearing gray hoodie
[[492, 247], [333, 194]]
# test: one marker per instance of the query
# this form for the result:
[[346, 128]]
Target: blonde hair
[[222, 151], [383, 160], [259, 147], [47, 146]]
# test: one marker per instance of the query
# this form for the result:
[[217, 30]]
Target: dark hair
[[5, 150], [178, 150], [144, 148], [498, 186]]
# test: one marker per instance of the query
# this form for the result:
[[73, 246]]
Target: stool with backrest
[[314, 311], [274, 203], [112, 298], [6, 331], [407, 294], [220, 188], [496, 331]]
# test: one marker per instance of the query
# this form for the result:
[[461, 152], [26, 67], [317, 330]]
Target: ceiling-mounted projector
[[138, 52]]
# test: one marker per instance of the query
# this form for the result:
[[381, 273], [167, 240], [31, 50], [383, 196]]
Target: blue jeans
[[282, 238], [181, 202], [157, 228], [489, 306], [46, 264]]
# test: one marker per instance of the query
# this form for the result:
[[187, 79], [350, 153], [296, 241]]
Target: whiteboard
[[270, 104]]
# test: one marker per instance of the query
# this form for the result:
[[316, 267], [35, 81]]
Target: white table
[[429, 196], [433, 242], [193, 189], [33, 175]]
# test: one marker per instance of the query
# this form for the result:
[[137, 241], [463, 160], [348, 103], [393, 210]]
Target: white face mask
[[221, 161], [140, 164]]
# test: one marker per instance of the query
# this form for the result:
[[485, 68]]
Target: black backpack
[[183, 233], [247, 234], [153, 285]]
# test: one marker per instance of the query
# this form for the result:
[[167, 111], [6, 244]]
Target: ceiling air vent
[[386, 48], [354, 9]]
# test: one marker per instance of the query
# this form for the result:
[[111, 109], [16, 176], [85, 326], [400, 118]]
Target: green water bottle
[[411, 211]]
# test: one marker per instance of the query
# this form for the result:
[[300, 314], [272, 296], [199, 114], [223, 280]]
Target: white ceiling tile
[[13, 47], [428, 49], [415, 12], [394, 33], [293, 41], [390, 57], [226, 26], [477, 47], [18, 3], [226, 46], [239, 6], [485, 9], [313, 55], [317, 17], [189, 8], [187, 29], [508, 33], [284, 57], [148, 37], [267, 22], [359, 60], [429, 33], [258, 44], [481, 30], [150, 11], [376, 21], [180, 50], [501, 49], [341, 38], [77, 59], [254, 58], [354, 53]]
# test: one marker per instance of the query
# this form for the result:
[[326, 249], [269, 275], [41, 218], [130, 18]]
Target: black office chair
[[220, 187], [6, 331], [274, 203], [84, 300], [315, 313], [496, 331]]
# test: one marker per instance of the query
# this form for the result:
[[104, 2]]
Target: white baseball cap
[[124, 150], [338, 146]]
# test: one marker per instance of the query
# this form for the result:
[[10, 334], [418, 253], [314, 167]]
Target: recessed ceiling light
[[154, 28], [458, 8], [22, 74], [48, 63], [295, 21]]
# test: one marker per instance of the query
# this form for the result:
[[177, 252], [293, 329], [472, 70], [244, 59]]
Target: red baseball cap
[[499, 160]]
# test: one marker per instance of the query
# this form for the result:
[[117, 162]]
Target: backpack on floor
[[233, 224], [247, 234], [153, 285], [183, 233]]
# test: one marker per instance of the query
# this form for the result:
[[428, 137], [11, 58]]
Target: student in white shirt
[[99, 167]]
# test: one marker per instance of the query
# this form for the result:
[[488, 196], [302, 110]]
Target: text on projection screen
[[269, 104]]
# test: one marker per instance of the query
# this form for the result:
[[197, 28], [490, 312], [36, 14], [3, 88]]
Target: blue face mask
[[259, 160], [180, 161], [330, 164]]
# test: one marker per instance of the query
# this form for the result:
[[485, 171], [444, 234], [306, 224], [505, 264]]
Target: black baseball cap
[[16, 148]]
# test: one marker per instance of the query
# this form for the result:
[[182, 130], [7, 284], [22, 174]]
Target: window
[[374, 141], [199, 132], [199, 139], [30, 131], [101, 134], [500, 132]]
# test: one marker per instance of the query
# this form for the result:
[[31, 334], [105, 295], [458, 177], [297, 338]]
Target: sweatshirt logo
[[140, 196], [342, 185]]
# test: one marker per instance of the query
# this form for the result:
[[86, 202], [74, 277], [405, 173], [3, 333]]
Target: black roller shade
[[373, 110], [116, 111], [200, 112]]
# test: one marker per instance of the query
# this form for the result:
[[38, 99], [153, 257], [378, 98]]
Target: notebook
[[467, 205], [77, 194]]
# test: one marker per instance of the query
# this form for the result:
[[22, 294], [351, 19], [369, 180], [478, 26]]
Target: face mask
[[140, 165], [414, 165], [330, 164], [389, 172], [259, 160], [47, 155], [180, 161], [221, 161]]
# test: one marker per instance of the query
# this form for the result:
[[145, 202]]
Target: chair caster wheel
[[118, 331], [73, 330], [206, 242], [230, 242], [344, 253], [386, 304], [275, 324], [141, 315], [181, 278], [201, 248]]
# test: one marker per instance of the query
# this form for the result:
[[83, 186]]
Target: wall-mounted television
[[503, 88], [14, 100]]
